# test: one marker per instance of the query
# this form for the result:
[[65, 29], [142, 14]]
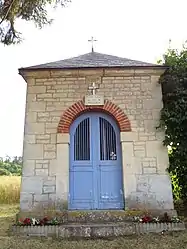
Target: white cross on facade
[[93, 88]]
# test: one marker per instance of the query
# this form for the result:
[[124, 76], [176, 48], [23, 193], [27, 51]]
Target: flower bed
[[58, 227], [38, 222], [46, 221], [164, 219]]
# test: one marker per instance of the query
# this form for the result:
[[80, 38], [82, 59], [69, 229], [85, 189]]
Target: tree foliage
[[174, 116], [28, 10], [11, 166]]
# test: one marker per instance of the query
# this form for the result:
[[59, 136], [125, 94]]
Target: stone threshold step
[[95, 230], [109, 224], [104, 216]]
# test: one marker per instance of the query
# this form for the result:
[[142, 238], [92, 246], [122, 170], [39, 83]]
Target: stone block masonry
[[135, 93]]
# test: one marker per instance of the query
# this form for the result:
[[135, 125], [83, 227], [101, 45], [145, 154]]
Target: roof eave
[[86, 68]]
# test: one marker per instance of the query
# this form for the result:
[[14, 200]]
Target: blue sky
[[128, 28]]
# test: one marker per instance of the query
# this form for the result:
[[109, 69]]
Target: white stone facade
[[46, 152]]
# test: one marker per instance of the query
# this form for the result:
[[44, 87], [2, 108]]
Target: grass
[[9, 197], [9, 189]]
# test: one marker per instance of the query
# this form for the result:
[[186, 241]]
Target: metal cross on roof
[[93, 88], [92, 40]]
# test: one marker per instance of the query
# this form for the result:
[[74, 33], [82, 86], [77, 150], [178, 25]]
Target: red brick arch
[[78, 108]]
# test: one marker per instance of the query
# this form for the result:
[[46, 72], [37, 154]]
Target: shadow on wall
[[148, 204], [50, 208]]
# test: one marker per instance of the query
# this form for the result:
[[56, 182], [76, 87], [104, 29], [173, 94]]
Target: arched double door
[[95, 163]]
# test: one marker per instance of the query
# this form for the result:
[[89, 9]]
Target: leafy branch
[[35, 11], [174, 117]]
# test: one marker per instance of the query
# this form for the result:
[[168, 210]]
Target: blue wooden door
[[95, 163]]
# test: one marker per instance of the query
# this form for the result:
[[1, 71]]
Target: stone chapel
[[90, 137]]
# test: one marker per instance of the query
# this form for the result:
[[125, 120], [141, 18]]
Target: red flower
[[45, 219], [27, 221], [41, 223], [146, 219]]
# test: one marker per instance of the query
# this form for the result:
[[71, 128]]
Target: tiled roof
[[92, 60]]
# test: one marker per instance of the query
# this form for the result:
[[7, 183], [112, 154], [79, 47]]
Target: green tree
[[174, 116], [28, 10], [4, 172], [11, 166]]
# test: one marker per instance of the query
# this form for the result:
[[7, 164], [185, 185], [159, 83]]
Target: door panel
[[82, 196], [110, 192], [95, 163], [110, 174]]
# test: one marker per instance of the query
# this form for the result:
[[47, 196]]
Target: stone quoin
[[106, 156]]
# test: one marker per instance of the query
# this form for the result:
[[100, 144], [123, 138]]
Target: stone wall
[[46, 153]]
